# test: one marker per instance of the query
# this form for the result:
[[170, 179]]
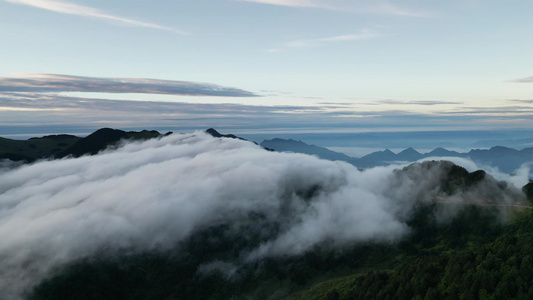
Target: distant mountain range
[[301, 147], [57, 146], [505, 159]]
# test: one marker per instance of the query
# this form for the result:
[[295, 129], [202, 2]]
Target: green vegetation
[[35, 148], [62, 145], [499, 269], [475, 255]]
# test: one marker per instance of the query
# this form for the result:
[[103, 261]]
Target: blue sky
[[267, 65]]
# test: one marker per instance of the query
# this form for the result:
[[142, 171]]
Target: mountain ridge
[[506, 159], [62, 145]]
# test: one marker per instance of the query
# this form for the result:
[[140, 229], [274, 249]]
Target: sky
[[266, 66]]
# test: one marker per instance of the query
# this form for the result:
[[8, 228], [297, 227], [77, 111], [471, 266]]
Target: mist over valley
[[145, 197]]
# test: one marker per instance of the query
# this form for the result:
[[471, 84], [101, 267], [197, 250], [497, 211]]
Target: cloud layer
[[69, 83], [28, 114], [150, 196]]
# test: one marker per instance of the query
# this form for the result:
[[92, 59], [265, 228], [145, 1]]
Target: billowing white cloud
[[149, 196], [63, 7]]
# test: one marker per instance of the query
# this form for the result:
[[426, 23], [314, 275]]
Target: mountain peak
[[442, 152], [214, 133], [409, 150], [409, 154], [291, 145], [502, 149], [377, 158]]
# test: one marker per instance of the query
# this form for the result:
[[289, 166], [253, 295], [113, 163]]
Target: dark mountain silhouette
[[506, 159], [409, 154], [95, 142], [104, 138], [62, 145], [214, 133], [443, 152], [301, 147], [217, 134], [378, 158], [57, 146], [35, 148]]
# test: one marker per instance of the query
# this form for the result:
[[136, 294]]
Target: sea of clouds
[[149, 196]]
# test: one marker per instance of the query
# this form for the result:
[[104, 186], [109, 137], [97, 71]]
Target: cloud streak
[[380, 7], [363, 35], [524, 80], [425, 103], [68, 83], [308, 43], [85, 11], [522, 101]]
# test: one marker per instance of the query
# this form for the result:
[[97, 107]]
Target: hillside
[[436, 260], [57, 146], [472, 256], [104, 138], [35, 148]]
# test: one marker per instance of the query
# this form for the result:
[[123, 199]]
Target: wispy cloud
[[27, 100], [307, 43], [363, 35], [421, 102], [69, 83], [85, 11], [510, 111], [526, 79], [357, 6], [522, 101]]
